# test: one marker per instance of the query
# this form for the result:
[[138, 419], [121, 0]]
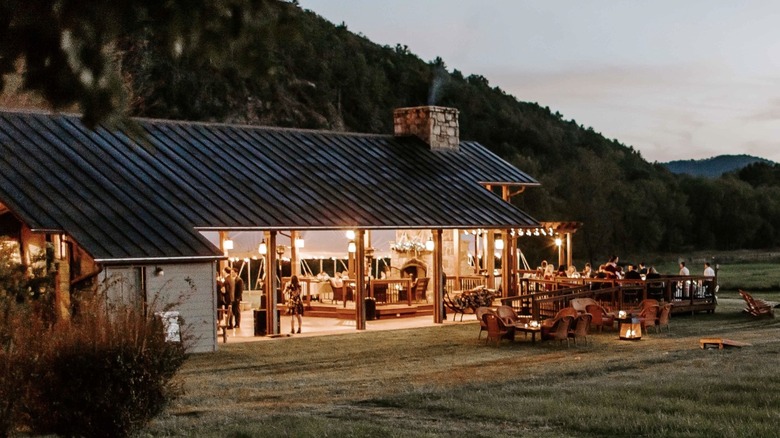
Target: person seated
[[632, 273], [323, 276], [549, 272], [587, 272]]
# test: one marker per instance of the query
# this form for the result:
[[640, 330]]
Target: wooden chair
[[380, 292], [756, 307], [648, 317], [496, 329], [599, 316], [420, 289], [341, 293], [664, 316], [581, 325], [482, 324], [560, 331]]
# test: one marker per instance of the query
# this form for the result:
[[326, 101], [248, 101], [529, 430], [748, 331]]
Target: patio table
[[525, 328]]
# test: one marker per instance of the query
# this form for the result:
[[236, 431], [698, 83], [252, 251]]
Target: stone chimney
[[435, 125]]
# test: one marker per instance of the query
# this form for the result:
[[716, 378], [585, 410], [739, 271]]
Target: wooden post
[[456, 251], [507, 264], [295, 265], [436, 278], [490, 257], [271, 285], [360, 277]]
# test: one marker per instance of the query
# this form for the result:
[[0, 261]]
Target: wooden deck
[[543, 298]]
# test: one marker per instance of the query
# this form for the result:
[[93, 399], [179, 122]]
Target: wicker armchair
[[599, 317], [566, 311], [496, 329], [580, 329], [644, 304], [507, 314], [482, 324], [648, 318], [664, 316], [560, 331]]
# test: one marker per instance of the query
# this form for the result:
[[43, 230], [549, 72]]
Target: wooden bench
[[757, 307], [721, 343]]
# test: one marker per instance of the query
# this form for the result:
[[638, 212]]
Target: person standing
[[709, 283], [295, 303], [683, 269], [234, 290]]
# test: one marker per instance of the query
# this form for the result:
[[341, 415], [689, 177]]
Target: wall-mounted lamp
[[158, 271], [351, 248], [429, 244], [298, 242], [263, 248], [351, 234], [558, 242], [227, 244], [499, 244]]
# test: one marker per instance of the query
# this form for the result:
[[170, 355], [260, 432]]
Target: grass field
[[441, 381]]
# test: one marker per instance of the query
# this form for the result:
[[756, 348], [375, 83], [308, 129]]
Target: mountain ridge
[[713, 167]]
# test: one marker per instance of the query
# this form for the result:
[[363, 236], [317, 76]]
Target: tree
[[67, 50]]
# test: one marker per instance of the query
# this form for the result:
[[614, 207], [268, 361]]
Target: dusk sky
[[674, 79]]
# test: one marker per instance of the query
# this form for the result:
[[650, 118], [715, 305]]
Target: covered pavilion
[[137, 199]]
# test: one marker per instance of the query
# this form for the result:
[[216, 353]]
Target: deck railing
[[543, 298]]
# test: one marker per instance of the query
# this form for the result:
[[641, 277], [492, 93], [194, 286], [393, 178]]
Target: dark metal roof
[[125, 196]]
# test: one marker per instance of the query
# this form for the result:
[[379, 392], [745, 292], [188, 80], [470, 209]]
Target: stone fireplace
[[414, 269]]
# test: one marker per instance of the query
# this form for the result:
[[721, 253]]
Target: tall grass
[[441, 381], [105, 373]]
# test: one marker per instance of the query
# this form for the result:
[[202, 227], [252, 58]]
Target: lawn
[[441, 381]]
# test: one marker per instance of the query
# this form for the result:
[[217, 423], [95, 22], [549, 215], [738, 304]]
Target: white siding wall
[[195, 299], [198, 304]]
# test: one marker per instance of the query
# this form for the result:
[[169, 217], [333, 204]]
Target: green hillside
[[298, 70]]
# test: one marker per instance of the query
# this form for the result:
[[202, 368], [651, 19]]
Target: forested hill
[[298, 70], [713, 167]]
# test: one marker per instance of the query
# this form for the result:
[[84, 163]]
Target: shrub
[[105, 373]]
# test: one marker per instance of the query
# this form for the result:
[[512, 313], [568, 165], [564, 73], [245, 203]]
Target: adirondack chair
[[757, 307]]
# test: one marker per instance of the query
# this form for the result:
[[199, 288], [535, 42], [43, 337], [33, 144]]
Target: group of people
[[611, 270], [230, 290]]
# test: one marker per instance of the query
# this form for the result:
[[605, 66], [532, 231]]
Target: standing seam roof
[[123, 197]]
